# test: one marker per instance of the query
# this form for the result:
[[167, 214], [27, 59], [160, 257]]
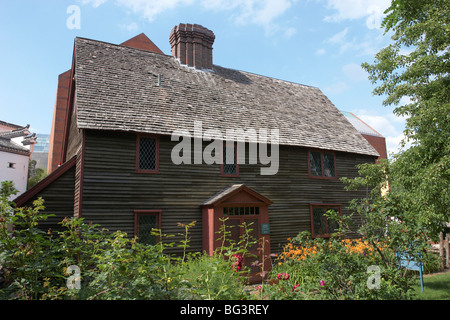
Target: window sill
[[322, 177], [147, 171], [229, 175]]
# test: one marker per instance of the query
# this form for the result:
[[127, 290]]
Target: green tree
[[416, 66], [35, 174]]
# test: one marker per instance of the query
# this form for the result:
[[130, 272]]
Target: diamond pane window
[[321, 227], [229, 165], [147, 154], [328, 164], [315, 163], [322, 164], [319, 221], [145, 223]]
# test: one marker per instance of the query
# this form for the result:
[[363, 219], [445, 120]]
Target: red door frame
[[212, 216]]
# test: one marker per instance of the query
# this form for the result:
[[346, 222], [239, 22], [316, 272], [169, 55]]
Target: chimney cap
[[187, 27], [192, 45]]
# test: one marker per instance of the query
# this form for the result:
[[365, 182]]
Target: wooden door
[[242, 221]]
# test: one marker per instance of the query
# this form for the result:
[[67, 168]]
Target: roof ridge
[[120, 46], [268, 77], [214, 65]]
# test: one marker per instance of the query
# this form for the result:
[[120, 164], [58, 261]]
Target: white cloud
[[339, 37], [382, 124], [242, 12], [260, 12], [336, 88], [388, 125], [354, 72], [133, 26], [321, 51], [393, 143], [369, 45], [95, 3], [289, 32], [372, 10], [375, 17], [269, 10], [149, 9]]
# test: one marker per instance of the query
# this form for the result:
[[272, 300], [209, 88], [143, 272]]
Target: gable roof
[[41, 185], [229, 191], [117, 89], [141, 41], [8, 145]]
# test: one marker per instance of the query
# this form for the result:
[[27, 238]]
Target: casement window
[[320, 225], [322, 164], [146, 222], [147, 154], [229, 166]]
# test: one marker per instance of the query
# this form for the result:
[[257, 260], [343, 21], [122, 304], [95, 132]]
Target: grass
[[435, 287]]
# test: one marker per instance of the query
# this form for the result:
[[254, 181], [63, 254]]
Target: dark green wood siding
[[58, 200], [112, 189]]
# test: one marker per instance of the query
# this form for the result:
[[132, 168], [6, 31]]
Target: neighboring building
[[117, 108], [375, 138], [40, 151], [14, 156]]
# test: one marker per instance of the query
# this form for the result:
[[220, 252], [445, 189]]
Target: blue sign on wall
[[265, 228]]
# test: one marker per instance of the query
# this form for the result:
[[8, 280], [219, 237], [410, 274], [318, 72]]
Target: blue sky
[[321, 43]]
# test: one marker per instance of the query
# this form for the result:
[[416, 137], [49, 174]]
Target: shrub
[[84, 261], [332, 269]]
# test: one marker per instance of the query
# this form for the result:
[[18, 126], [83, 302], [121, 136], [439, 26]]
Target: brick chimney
[[192, 45]]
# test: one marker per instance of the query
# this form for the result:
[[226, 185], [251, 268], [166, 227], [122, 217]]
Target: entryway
[[241, 211]]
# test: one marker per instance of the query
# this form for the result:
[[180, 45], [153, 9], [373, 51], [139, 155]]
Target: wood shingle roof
[[117, 89]]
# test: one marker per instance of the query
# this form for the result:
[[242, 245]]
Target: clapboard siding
[[112, 189], [58, 200]]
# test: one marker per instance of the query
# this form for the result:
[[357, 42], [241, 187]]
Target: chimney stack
[[192, 45]]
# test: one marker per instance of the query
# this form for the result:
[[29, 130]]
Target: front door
[[243, 211], [243, 223]]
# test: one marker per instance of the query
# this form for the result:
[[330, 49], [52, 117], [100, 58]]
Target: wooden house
[[111, 153]]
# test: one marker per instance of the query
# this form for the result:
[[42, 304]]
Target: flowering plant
[[237, 264]]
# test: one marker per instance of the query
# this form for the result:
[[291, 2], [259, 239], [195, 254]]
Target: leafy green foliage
[[39, 265], [34, 174], [416, 66]]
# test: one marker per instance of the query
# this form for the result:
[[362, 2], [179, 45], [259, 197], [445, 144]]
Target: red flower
[[283, 276], [237, 264], [295, 287]]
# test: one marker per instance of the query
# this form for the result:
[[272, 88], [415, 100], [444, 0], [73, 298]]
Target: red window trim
[[156, 213], [321, 161], [324, 205], [138, 137], [223, 174]]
